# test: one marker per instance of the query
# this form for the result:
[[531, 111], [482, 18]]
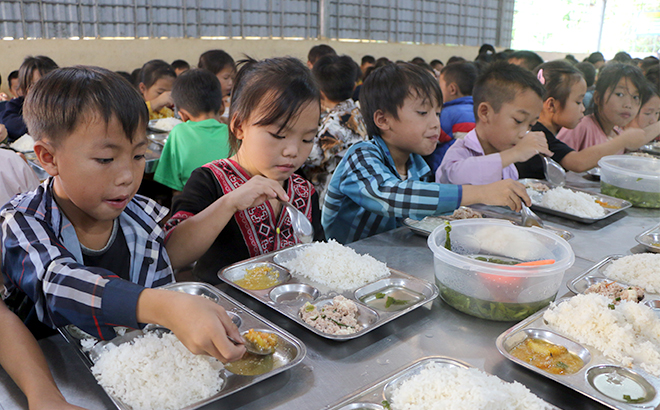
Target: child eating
[[380, 182], [229, 209], [83, 247], [507, 102]]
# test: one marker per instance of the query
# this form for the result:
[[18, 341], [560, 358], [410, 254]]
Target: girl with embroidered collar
[[229, 209]]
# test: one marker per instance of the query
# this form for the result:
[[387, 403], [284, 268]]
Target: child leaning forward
[[229, 210], [83, 247], [380, 182]]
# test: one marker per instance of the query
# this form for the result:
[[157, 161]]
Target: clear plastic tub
[[635, 179], [488, 289]]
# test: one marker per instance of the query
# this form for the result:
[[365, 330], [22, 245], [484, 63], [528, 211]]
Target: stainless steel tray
[[373, 396], [596, 274], [650, 239], [159, 139], [423, 227], [293, 291], [595, 364], [653, 148], [621, 204], [290, 350]]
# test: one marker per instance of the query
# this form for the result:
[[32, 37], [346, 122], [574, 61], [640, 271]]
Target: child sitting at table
[[378, 183], [507, 102], [563, 109], [83, 248], [230, 209], [342, 127], [156, 80], [201, 139], [32, 69], [457, 115], [222, 66]]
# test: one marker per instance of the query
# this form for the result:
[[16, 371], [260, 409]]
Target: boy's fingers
[[225, 350]]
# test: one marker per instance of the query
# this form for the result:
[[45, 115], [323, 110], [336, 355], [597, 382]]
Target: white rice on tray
[[336, 266], [155, 372], [167, 124], [641, 270], [629, 333], [571, 202], [438, 387]]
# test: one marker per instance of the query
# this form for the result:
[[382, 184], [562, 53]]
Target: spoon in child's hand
[[302, 228]]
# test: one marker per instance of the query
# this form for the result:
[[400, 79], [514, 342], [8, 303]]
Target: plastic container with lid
[[635, 179], [488, 289]]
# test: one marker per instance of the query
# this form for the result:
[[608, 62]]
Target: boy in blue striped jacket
[[380, 182], [83, 247]]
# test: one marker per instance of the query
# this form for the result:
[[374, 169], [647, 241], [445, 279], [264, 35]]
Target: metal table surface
[[334, 370]]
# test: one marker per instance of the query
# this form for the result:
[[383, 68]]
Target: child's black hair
[[336, 76], [387, 87], [198, 92], [67, 97], [455, 59], [180, 65], [595, 58], [499, 84], [559, 76], [528, 59], [13, 75], [622, 57], [368, 59], [270, 91], [319, 51], [648, 63], [653, 75], [154, 70], [42, 64], [464, 75], [215, 61], [436, 62], [608, 78], [588, 72]]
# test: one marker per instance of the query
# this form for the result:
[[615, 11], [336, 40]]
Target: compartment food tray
[[620, 204], [372, 397], [595, 363], [650, 239], [293, 291], [596, 274], [289, 352], [423, 227]]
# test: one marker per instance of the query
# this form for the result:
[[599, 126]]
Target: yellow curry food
[[259, 277], [263, 340], [547, 356]]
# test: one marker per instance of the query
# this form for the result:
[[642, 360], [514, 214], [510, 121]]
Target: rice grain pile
[[336, 266], [628, 333], [167, 124], [641, 270], [157, 373], [571, 202], [451, 388]]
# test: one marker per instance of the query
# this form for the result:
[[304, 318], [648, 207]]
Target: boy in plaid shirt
[[378, 183], [83, 247]]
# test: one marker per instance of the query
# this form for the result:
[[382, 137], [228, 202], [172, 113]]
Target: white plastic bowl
[[635, 179], [490, 290]]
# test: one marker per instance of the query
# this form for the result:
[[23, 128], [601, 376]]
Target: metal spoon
[[554, 172], [302, 228], [529, 218]]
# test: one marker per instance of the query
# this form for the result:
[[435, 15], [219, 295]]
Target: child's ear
[[484, 111], [184, 114], [143, 88], [382, 120], [453, 89], [550, 105], [235, 127], [45, 153]]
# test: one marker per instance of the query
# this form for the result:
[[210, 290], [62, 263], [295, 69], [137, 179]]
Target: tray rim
[[410, 224], [650, 149], [651, 248], [571, 285], [295, 317], [382, 382], [614, 404], [301, 348], [625, 204]]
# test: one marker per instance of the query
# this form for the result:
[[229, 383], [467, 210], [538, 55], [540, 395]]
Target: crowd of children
[[355, 148]]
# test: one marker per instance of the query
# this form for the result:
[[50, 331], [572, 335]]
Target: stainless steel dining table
[[333, 370]]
